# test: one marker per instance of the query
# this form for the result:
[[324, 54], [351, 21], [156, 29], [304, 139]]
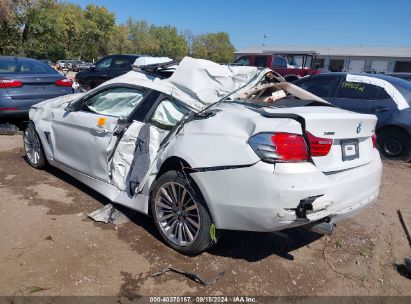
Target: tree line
[[50, 29]]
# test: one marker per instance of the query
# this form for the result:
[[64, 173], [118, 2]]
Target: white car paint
[[241, 191]]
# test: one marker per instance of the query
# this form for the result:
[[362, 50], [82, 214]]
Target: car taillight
[[64, 82], [374, 140], [279, 147], [319, 146], [10, 83]]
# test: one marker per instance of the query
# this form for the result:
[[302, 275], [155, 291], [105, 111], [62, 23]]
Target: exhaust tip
[[323, 228]]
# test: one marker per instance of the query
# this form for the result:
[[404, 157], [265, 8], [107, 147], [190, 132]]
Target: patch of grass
[[338, 243], [365, 252]]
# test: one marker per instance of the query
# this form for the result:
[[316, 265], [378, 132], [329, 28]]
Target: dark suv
[[106, 68]]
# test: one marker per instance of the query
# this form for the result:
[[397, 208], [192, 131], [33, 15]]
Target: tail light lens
[[64, 82], [374, 140], [319, 146], [10, 83], [279, 147]]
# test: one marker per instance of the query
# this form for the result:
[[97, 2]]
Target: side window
[[118, 102], [120, 63], [382, 94], [357, 90], [104, 64], [260, 61], [242, 61], [280, 62], [320, 86], [168, 114]]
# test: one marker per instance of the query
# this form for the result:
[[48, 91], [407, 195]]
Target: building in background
[[348, 59]]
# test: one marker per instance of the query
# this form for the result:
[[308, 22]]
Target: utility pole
[[265, 36]]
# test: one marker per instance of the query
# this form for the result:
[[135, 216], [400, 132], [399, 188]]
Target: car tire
[[395, 144], [180, 213], [33, 147]]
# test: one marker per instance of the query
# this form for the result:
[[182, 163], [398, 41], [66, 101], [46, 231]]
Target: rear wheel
[[180, 214], [32, 146], [395, 144]]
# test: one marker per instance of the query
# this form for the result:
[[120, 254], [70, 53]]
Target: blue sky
[[286, 22]]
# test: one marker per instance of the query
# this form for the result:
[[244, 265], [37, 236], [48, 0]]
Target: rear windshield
[[403, 86], [13, 66]]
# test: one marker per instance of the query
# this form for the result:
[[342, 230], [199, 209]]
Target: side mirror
[[70, 108], [92, 67]]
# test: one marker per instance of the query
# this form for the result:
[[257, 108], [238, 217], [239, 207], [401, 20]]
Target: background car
[[80, 65], [46, 61], [285, 65], [106, 68], [405, 76], [394, 121], [25, 82]]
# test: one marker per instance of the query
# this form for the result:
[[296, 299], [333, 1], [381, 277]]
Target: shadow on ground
[[249, 246]]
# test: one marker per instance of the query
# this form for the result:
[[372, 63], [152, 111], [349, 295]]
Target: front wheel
[[32, 146], [180, 213], [395, 144]]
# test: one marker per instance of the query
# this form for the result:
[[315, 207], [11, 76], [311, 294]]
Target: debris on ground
[[33, 289], [109, 214], [404, 215], [407, 262], [189, 275], [8, 129]]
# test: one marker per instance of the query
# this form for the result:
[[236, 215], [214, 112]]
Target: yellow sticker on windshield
[[101, 121]]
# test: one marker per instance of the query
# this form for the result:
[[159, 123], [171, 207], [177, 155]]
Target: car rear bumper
[[10, 108], [264, 197]]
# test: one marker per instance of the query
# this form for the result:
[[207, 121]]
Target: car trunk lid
[[35, 86], [351, 134]]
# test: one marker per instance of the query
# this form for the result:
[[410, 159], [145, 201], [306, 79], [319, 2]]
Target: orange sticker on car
[[101, 121]]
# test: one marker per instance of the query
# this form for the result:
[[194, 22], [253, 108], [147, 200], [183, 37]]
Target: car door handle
[[101, 131], [380, 109]]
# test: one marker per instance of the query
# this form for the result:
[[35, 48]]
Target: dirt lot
[[47, 242]]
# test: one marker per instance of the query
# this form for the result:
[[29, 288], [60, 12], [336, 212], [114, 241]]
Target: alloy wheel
[[32, 146], [177, 214]]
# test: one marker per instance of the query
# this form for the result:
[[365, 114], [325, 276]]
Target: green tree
[[155, 40], [12, 16], [171, 43], [213, 46], [43, 33], [141, 39], [97, 26], [119, 41]]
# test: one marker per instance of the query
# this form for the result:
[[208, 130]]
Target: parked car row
[[73, 65]]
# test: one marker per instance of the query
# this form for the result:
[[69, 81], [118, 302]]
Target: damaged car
[[212, 148]]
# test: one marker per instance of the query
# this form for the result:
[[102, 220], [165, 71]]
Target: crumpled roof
[[197, 82]]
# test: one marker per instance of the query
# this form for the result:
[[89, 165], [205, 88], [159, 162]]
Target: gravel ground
[[48, 246]]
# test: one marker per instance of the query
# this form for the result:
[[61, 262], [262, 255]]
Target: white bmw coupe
[[210, 148]]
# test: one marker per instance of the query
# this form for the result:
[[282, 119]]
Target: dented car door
[[83, 136]]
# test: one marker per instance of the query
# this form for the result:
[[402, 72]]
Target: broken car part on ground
[[218, 146]]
